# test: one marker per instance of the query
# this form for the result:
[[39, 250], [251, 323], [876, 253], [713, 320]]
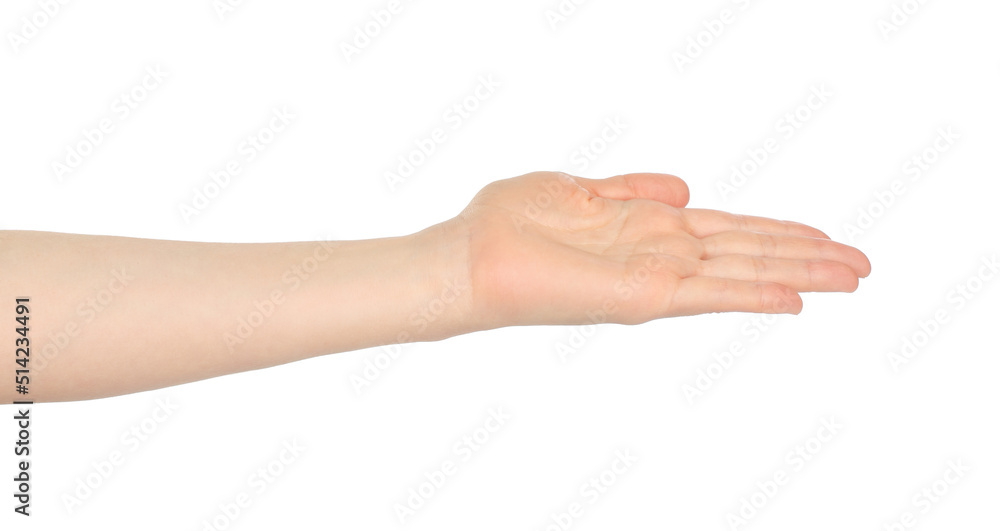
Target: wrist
[[443, 304]]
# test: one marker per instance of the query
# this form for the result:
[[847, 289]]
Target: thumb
[[656, 186]]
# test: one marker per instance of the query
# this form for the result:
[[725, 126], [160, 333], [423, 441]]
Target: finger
[[704, 222], [781, 246], [696, 295], [656, 186], [800, 275]]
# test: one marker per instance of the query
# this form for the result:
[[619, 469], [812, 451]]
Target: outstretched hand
[[542, 248], [550, 248]]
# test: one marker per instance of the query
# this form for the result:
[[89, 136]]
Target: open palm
[[550, 248]]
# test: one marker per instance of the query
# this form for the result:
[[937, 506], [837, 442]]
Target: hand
[[550, 248]]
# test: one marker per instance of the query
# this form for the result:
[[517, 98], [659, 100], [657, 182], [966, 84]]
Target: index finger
[[704, 222]]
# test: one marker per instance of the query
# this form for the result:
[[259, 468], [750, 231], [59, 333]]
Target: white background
[[620, 388]]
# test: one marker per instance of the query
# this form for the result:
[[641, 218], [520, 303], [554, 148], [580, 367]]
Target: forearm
[[113, 315]]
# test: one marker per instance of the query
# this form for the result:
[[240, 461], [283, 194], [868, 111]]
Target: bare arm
[[112, 315]]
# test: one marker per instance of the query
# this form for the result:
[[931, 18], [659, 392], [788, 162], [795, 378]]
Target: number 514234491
[[22, 345]]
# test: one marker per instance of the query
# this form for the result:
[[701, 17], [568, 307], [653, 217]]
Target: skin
[[112, 315]]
